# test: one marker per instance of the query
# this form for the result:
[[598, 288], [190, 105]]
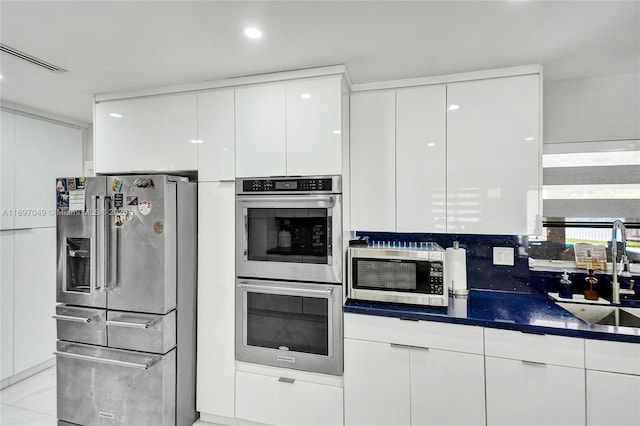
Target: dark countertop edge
[[504, 325]]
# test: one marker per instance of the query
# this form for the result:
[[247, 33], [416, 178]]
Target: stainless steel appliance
[[289, 228], [289, 267], [290, 324], [126, 262], [399, 275]]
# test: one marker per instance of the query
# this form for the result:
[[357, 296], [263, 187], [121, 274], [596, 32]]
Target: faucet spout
[[615, 285]]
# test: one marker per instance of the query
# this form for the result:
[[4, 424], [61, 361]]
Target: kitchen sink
[[605, 315]]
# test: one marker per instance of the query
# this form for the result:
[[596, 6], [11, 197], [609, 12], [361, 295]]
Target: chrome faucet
[[616, 291]]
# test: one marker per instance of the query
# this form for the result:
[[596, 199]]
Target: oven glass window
[[288, 235], [293, 323]]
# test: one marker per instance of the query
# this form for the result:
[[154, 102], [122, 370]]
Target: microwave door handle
[[287, 290]]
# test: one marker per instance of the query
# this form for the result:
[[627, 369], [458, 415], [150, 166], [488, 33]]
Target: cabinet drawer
[[543, 348], [287, 402], [428, 334], [617, 357], [81, 325], [142, 332]]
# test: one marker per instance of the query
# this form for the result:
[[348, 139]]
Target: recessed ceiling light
[[253, 32], [1, 76], [115, 115], [337, 132], [453, 107], [196, 141], [529, 139], [431, 144], [305, 96]]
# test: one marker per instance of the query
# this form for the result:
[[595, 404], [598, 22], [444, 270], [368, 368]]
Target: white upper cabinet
[[459, 157], [289, 129], [493, 158], [44, 151], [260, 131], [373, 161], [147, 134], [216, 144], [6, 169], [421, 157], [314, 127]]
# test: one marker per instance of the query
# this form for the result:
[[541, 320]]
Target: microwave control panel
[[436, 278], [287, 185]]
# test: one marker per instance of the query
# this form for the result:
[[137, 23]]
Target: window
[[586, 186]]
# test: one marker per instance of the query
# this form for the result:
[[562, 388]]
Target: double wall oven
[[289, 272]]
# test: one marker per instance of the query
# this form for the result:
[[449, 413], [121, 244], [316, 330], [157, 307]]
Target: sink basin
[[605, 315]]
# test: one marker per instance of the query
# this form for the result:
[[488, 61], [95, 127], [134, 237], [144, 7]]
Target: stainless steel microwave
[[399, 275]]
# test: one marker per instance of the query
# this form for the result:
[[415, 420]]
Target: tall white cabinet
[[216, 295], [457, 157], [33, 153]]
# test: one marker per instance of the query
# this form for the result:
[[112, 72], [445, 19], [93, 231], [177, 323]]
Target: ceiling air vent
[[26, 57]]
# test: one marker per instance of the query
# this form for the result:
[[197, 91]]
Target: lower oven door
[[290, 325], [102, 386]]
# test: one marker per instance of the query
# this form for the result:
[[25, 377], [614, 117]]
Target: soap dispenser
[[565, 286]]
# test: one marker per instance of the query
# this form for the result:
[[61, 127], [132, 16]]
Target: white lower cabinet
[[34, 336], [287, 400], [415, 374], [613, 383], [6, 303], [524, 393], [440, 381], [534, 379], [612, 399], [377, 384]]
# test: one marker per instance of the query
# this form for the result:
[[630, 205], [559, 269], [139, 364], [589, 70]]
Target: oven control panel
[[288, 185]]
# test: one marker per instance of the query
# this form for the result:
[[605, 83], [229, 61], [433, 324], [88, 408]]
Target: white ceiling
[[110, 46]]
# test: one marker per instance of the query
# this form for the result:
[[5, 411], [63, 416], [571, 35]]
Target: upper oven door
[[289, 237]]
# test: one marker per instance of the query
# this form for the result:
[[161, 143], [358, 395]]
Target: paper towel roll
[[456, 259]]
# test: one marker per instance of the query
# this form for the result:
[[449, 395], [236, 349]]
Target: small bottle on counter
[[565, 286]]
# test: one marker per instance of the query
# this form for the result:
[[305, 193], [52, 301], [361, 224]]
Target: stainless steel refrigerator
[[126, 284]]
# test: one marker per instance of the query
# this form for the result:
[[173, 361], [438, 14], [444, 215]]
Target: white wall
[[592, 109]]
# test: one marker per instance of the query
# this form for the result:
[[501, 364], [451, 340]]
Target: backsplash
[[481, 272]]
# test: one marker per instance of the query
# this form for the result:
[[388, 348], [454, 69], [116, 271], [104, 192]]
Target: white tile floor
[[30, 402]]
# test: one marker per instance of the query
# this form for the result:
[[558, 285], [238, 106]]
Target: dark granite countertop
[[530, 313]]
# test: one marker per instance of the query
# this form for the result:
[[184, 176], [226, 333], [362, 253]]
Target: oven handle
[[117, 362], [289, 290], [271, 199]]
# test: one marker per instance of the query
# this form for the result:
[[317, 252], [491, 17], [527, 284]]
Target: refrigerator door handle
[[127, 324], [117, 362], [93, 281], [104, 244], [71, 318]]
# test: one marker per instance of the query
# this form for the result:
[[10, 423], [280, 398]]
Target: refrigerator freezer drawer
[[141, 332], [82, 325], [99, 386]]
